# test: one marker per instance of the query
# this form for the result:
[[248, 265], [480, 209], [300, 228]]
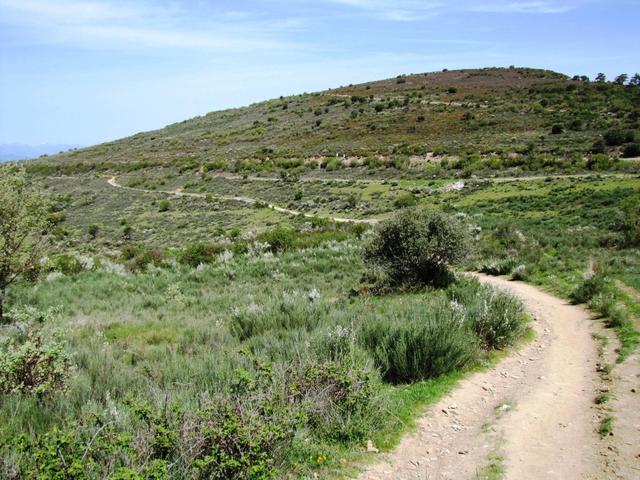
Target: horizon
[[86, 72]]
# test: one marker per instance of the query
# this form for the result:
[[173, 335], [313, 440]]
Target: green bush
[[499, 267], [629, 221], [420, 345], [279, 239], [632, 150], [404, 200], [594, 284], [163, 205], [67, 264], [33, 366], [200, 253], [137, 257], [418, 247], [496, 317]]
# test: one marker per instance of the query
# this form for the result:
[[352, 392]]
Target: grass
[[494, 470], [606, 426], [156, 350]]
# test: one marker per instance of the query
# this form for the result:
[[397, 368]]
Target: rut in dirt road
[[532, 413]]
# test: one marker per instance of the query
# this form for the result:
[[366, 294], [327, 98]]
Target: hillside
[[520, 117], [285, 290]]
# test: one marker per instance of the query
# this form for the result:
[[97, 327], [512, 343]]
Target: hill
[[519, 117]]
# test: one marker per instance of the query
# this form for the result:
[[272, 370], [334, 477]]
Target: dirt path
[[528, 178], [531, 415], [248, 200]]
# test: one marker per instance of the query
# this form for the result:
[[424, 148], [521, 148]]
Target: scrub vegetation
[[268, 313]]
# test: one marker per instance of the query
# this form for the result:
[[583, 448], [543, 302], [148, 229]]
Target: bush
[[200, 253], [164, 205], [632, 150], [404, 200], [279, 239], [594, 284], [629, 221], [418, 246], [499, 267], [33, 366], [137, 257], [614, 137], [496, 317], [93, 231], [67, 264], [420, 345]]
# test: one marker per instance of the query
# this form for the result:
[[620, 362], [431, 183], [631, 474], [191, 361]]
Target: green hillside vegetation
[[467, 121], [259, 293]]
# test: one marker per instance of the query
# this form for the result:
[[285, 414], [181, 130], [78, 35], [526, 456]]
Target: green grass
[[171, 340], [494, 470], [606, 426]]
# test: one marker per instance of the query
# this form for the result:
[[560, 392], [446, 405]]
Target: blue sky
[[87, 71]]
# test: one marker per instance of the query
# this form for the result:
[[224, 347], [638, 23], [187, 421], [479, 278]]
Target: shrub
[[164, 205], [404, 200], [137, 257], [499, 267], [67, 264], [615, 137], [520, 273], [418, 246], [420, 345], [336, 396], [496, 317], [629, 221], [632, 150], [33, 366], [279, 239], [592, 285], [93, 231], [200, 253]]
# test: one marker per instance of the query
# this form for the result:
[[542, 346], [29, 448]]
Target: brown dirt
[[533, 412]]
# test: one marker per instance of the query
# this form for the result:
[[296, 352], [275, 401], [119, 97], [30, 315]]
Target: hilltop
[[519, 116]]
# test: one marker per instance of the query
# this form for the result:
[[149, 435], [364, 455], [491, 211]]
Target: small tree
[[601, 78], [418, 246], [635, 80], [23, 221], [621, 79]]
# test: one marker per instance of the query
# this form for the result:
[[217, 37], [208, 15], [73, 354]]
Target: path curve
[[248, 200], [534, 409]]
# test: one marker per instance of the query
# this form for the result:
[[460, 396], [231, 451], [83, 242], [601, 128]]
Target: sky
[[89, 71]]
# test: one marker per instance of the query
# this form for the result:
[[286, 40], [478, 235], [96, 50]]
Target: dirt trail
[[532, 413], [248, 200]]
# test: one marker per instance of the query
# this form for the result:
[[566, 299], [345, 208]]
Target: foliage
[[418, 345], [594, 284], [498, 318], [629, 221], [33, 366], [418, 246], [200, 253], [23, 219]]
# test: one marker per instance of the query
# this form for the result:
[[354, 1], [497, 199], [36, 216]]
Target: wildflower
[[54, 276], [314, 295], [225, 256]]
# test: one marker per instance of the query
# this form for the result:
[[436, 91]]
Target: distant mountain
[[14, 151]]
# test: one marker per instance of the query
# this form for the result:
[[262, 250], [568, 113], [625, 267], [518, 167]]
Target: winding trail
[[248, 200], [532, 413]]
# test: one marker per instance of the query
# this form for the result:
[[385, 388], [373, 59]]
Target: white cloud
[[413, 10], [142, 24]]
